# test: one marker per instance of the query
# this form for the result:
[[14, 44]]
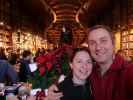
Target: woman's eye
[[78, 61], [92, 43], [89, 62]]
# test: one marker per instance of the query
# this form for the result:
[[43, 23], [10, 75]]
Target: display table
[[21, 92]]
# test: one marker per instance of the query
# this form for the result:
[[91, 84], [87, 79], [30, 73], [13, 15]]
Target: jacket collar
[[118, 64]]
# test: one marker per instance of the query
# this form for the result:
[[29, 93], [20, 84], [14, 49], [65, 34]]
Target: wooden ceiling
[[93, 10], [65, 12], [76, 14]]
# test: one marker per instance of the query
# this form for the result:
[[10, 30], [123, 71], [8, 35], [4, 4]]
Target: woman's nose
[[84, 65]]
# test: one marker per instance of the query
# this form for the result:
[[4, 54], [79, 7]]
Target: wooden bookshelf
[[6, 40]]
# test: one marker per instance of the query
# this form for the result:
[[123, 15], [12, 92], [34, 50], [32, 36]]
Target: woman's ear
[[71, 66]]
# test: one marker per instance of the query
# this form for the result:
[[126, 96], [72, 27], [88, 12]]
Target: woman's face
[[81, 65]]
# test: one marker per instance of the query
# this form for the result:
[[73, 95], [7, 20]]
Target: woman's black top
[[72, 91]]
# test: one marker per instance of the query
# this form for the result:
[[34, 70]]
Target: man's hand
[[52, 95]]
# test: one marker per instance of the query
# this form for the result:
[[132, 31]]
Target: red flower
[[49, 66], [41, 59], [42, 70]]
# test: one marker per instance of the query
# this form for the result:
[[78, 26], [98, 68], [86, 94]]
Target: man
[[112, 78], [7, 73]]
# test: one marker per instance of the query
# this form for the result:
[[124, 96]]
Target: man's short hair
[[108, 29]]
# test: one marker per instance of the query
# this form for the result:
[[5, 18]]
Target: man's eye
[[103, 41]]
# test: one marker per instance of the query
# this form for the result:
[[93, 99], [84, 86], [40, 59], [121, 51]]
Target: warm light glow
[[130, 45], [51, 46], [125, 33], [1, 44], [131, 31], [45, 44], [19, 30], [77, 19], [55, 17], [84, 44], [117, 41], [1, 23], [130, 37]]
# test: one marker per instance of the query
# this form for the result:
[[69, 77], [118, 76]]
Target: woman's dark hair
[[78, 50]]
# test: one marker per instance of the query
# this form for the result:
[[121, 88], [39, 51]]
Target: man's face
[[100, 45]]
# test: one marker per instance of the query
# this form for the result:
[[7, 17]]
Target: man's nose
[[98, 46]]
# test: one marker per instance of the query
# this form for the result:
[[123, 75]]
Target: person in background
[[112, 77], [2, 54], [7, 73], [14, 60], [24, 67], [76, 86]]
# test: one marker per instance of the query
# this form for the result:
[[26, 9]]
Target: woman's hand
[[52, 95]]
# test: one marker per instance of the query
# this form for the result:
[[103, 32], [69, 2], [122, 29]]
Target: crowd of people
[[97, 73], [15, 67]]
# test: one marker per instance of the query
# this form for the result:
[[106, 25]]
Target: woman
[[76, 86]]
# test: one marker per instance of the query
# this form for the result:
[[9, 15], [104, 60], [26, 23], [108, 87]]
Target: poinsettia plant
[[50, 66]]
